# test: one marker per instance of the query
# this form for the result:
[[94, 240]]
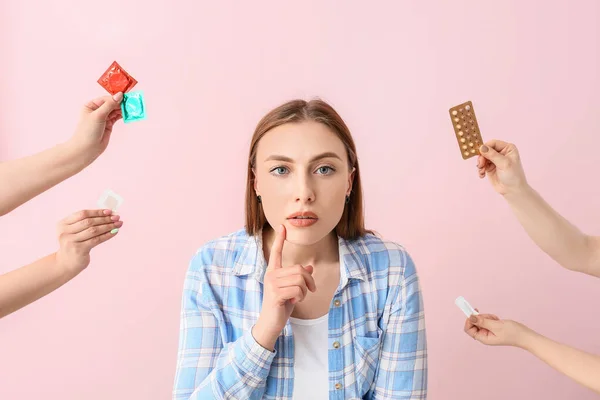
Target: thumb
[[492, 155], [485, 323], [111, 103]]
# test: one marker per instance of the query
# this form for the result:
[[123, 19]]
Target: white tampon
[[465, 306]]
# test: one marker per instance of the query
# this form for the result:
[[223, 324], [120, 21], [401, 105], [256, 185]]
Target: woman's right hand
[[283, 289], [501, 162], [493, 331]]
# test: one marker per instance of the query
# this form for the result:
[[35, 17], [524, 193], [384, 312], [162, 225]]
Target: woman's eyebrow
[[328, 154]]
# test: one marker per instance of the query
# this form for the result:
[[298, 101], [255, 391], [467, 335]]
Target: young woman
[[558, 238], [23, 179], [335, 312]]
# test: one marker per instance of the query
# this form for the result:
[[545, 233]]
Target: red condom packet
[[116, 79]]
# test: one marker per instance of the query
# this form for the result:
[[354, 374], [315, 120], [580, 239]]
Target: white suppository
[[110, 200], [465, 306]]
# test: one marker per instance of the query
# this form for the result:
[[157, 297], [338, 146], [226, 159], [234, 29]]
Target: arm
[[25, 285], [207, 368], [23, 179], [556, 236], [402, 370], [78, 234], [582, 367]]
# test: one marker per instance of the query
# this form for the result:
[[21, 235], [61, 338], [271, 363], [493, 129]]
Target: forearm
[[556, 236], [25, 178], [582, 367], [241, 367], [25, 285]]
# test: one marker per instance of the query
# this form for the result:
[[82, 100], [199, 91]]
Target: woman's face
[[303, 179]]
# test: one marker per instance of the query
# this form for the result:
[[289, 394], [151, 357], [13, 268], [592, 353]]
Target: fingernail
[[280, 230], [473, 319], [118, 97], [107, 212], [115, 217], [119, 224], [484, 149], [114, 231]]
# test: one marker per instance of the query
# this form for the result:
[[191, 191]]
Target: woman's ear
[[255, 181], [351, 181]]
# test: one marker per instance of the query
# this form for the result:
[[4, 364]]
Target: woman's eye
[[279, 170], [325, 170]]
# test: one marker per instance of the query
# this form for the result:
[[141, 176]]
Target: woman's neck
[[325, 251]]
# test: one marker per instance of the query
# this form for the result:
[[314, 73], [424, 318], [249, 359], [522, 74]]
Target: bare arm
[[25, 285], [78, 234], [23, 179], [582, 367], [554, 234]]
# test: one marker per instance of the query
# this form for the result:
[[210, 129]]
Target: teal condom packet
[[133, 107]]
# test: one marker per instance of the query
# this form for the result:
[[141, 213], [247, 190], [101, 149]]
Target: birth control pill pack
[[466, 129]]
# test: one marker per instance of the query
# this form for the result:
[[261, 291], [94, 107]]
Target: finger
[[481, 322], [83, 214], [95, 241], [487, 316], [110, 104], [470, 329], [481, 160], [94, 231], [299, 270], [497, 145], [289, 293], [115, 115], [93, 105], [484, 336], [291, 281], [493, 156], [83, 224], [277, 248]]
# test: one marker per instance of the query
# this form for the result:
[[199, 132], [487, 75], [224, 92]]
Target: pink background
[[209, 72]]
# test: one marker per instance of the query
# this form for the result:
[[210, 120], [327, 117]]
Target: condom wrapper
[[110, 200], [116, 79], [133, 107]]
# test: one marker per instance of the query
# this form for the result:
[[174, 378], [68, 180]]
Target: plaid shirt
[[376, 316]]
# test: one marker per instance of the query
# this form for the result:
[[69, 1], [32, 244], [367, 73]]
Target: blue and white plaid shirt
[[376, 316]]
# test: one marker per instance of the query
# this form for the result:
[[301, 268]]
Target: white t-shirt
[[311, 362]]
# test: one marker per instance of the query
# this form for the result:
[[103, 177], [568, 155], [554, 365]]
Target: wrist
[[519, 193], [526, 339], [64, 269], [76, 154], [264, 337]]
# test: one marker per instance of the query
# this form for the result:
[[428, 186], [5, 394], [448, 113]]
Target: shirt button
[[336, 345], [338, 386], [337, 303]]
